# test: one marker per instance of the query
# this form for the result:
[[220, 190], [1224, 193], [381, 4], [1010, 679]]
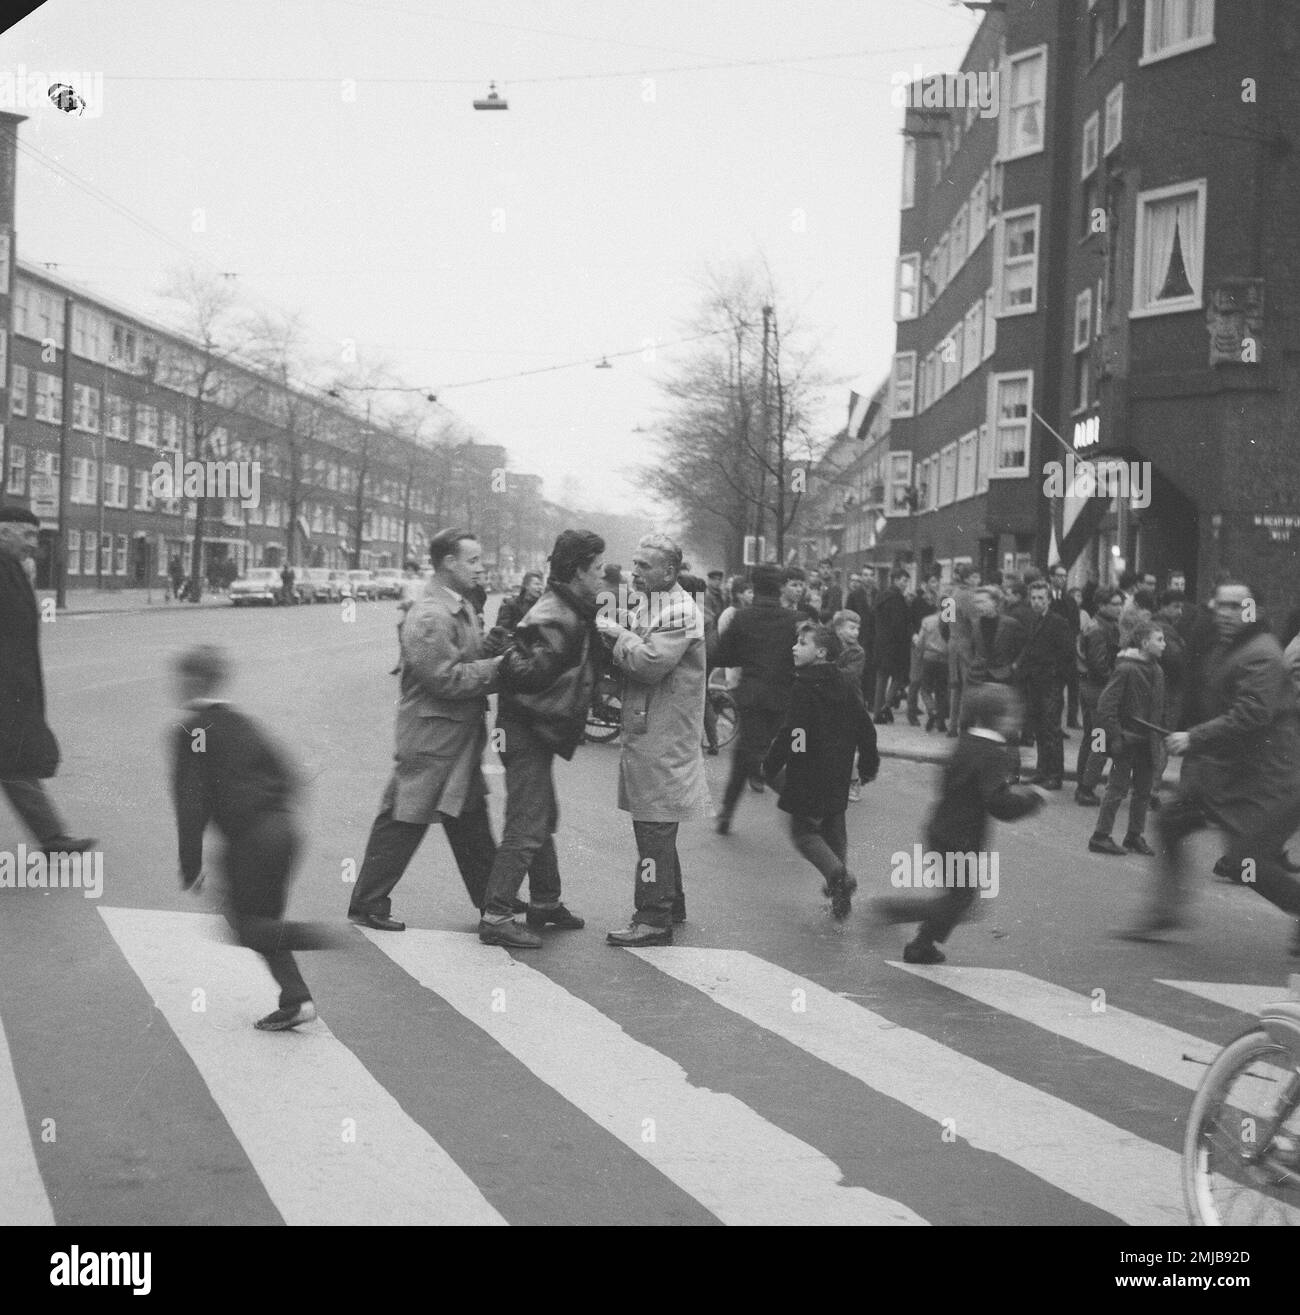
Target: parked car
[[363, 585], [260, 585], [317, 585], [389, 581]]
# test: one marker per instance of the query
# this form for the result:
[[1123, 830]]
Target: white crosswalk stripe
[[735, 1163], [1093, 1160], [341, 1150], [330, 1144], [22, 1198], [1111, 1031]]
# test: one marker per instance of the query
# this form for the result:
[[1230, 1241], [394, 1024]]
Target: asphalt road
[[773, 1066]]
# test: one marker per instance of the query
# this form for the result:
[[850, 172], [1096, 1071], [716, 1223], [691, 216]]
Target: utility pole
[[762, 403], [65, 412]]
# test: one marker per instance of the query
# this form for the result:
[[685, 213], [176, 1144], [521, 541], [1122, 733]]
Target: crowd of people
[[1001, 664]]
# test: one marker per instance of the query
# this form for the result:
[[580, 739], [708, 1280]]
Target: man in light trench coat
[[660, 654], [441, 735]]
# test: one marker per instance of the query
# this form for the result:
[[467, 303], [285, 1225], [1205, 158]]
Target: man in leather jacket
[[546, 677]]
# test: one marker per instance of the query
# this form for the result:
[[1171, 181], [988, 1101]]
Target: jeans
[[392, 845], [1088, 766], [658, 882], [258, 865], [758, 728], [1043, 703], [35, 807], [823, 841], [1135, 767], [532, 814]]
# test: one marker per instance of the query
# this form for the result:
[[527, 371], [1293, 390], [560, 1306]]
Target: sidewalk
[[86, 602], [911, 742]]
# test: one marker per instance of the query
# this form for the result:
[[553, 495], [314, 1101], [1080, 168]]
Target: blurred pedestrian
[[513, 610], [893, 646], [826, 726], [931, 643], [1097, 649], [922, 604], [1042, 667], [29, 753], [661, 771], [1066, 605], [760, 641]]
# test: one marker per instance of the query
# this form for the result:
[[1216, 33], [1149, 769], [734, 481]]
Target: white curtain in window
[[1188, 221], [1161, 221]]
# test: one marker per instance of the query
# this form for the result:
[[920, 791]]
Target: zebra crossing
[[316, 1115]]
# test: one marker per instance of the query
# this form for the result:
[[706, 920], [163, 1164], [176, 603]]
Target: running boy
[[1134, 694], [225, 771], [973, 787], [827, 723]]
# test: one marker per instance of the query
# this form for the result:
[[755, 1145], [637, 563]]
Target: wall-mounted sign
[[1279, 527], [1087, 433]]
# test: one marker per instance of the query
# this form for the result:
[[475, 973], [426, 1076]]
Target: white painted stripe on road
[[1128, 1037], [22, 1199], [329, 1143], [1242, 996], [734, 1162], [1117, 1171]]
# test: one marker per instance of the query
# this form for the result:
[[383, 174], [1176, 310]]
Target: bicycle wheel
[[725, 708], [604, 720], [1238, 1167]]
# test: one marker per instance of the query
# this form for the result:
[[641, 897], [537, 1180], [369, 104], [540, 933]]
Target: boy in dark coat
[[973, 787], [852, 662], [1134, 694], [225, 771], [827, 723]]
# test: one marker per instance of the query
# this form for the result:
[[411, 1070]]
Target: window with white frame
[[1091, 137], [171, 432], [979, 214], [923, 485], [89, 330], [49, 398], [85, 475], [89, 547], [927, 283], [74, 552], [904, 385], [49, 318], [124, 345], [1175, 26], [995, 191], [1082, 380], [1113, 133], [143, 489], [17, 478], [966, 457], [984, 460], [948, 475], [331, 519], [146, 426], [905, 286], [1010, 405], [218, 441], [1082, 319], [1169, 249], [18, 390], [1018, 263], [116, 422], [971, 327], [909, 173], [959, 246], [1024, 113], [990, 323], [119, 554], [106, 553], [85, 408], [952, 357], [115, 484], [23, 303], [932, 503]]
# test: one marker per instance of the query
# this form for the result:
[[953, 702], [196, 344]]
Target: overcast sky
[[376, 209]]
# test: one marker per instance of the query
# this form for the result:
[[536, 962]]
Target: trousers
[[659, 894], [758, 728], [532, 815], [823, 841], [1135, 769], [31, 802]]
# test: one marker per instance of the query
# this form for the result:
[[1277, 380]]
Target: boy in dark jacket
[[852, 661], [827, 723], [1134, 694], [973, 787], [225, 771]]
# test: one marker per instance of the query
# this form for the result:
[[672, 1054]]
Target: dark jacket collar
[[818, 673], [585, 609]]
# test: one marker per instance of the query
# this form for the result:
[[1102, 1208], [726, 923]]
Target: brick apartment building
[[1108, 268]]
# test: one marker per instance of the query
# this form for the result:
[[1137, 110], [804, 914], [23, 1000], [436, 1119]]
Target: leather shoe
[[1138, 845], [377, 921], [67, 845], [559, 917], [1104, 845], [638, 934], [509, 933]]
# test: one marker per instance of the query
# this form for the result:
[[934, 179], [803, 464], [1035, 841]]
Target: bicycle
[[1241, 1154], [605, 716]]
